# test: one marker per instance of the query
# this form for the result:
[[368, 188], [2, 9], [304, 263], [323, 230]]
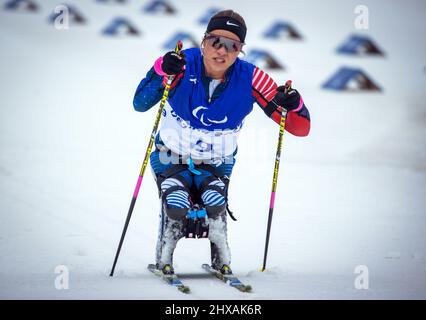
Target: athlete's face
[[220, 53]]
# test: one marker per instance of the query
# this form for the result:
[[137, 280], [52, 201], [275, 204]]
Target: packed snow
[[351, 196]]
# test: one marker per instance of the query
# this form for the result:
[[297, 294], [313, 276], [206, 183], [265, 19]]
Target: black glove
[[289, 100], [173, 63]]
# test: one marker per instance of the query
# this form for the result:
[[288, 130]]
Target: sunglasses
[[218, 41]]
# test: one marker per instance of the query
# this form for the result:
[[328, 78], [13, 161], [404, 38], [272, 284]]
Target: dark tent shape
[[351, 79], [111, 1], [159, 6], [204, 20], [359, 45], [74, 15], [21, 5], [186, 38], [263, 59], [280, 29], [120, 26]]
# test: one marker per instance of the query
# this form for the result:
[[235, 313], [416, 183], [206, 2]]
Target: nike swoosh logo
[[231, 24]]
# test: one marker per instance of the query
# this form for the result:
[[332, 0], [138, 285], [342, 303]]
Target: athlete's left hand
[[289, 100]]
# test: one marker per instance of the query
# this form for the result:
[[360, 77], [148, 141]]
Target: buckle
[[196, 223]]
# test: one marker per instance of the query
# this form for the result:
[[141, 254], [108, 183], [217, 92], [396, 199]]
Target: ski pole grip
[[287, 86], [179, 46]]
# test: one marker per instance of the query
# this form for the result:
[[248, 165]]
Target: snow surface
[[350, 194]]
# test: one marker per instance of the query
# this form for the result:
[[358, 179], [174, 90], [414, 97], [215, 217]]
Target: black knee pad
[[175, 213], [213, 212]]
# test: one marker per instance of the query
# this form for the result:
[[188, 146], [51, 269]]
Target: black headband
[[229, 24]]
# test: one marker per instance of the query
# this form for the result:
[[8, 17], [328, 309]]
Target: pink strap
[[157, 67], [300, 105]]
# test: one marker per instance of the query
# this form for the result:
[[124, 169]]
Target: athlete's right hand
[[173, 63]]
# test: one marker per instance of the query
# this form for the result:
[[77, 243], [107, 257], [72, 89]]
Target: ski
[[171, 279], [231, 280]]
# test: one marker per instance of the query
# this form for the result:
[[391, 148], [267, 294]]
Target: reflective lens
[[217, 42]]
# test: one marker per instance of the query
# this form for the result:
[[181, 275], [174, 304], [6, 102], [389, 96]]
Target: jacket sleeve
[[150, 90], [298, 121]]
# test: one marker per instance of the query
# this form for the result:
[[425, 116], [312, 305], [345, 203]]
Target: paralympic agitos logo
[[199, 114]]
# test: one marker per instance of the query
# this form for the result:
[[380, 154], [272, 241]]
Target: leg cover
[[213, 195], [220, 252], [171, 231], [175, 205]]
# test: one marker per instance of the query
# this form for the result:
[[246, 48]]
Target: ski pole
[[275, 178], [145, 161]]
